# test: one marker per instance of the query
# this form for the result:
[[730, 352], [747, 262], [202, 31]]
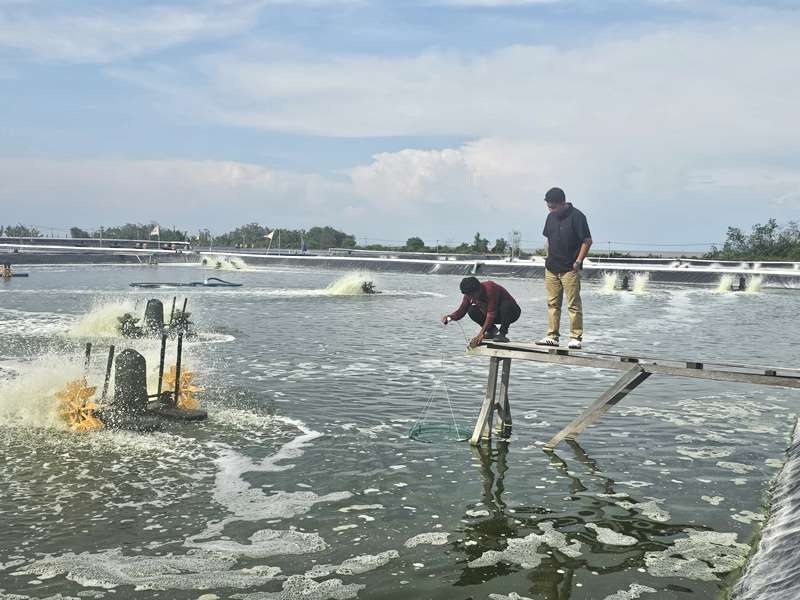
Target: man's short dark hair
[[555, 196], [469, 285]]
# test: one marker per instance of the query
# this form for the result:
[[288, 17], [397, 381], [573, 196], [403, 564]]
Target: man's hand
[[474, 342], [445, 319], [577, 266]]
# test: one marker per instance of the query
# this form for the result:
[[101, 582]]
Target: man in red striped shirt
[[488, 304]]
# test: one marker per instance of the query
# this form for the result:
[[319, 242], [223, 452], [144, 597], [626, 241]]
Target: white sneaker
[[574, 344], [547, 341]]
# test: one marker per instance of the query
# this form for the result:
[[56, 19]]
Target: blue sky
[[665, 120]]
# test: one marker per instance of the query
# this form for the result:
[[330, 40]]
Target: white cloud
[[669, 135], [496, 3], [703, 87], [214, 194], [629, 126], [107, 35]]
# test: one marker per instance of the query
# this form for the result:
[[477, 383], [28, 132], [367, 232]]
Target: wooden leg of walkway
[[624, 385], [503, 425], [483, 428]]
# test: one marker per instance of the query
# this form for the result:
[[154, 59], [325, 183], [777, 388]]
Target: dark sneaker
[[500, 337], [547, 341], [491, 333]]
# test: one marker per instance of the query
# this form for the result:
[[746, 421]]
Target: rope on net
[[423, 431]]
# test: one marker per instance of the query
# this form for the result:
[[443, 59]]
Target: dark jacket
[[565, 231]]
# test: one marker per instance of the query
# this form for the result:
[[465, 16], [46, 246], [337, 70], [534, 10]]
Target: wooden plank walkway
[[635, 370]]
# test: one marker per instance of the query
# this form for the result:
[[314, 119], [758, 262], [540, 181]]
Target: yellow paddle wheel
[[186, 399], [76, 408]]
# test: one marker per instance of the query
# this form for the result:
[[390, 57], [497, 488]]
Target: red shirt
[[487, 299]]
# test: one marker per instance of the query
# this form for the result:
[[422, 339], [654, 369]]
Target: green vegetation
[[19, 231], [254, 235], [768, 241]]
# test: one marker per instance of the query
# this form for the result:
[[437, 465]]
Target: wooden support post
[[613, 395], [503, 426], [483, 427]]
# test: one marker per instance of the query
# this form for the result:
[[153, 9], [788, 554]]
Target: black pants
[[507, 313]]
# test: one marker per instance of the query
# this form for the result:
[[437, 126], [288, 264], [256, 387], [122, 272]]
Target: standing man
[[568, 243], [487, 304]]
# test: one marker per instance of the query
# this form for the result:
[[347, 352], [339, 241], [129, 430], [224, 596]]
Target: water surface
[[303, 482]]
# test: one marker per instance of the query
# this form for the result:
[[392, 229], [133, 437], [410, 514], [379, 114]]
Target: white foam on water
[[703, 555], [265, 543], [246, 503], [433, 539], [355, 565], [523, 551], [633, 592], [649, 509], [109, 569], [703, 452], [748, 517], [300, 587], [736, 467], [360, 507], [511, 596], [611, 537], [713, 500], [31, 324]]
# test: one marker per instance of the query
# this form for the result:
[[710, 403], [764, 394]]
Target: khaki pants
[[557, 284]]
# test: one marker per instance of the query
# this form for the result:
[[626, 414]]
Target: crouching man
[[488, 304]]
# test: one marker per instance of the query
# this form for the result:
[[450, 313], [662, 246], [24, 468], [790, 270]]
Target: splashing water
[[754, 284], [29, 399], [609, 282], [224, 263], [102, 321], [725, 284], [349, 285], [640, 281]]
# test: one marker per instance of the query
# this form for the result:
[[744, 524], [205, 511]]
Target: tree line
[[767, 241], [254, 235]]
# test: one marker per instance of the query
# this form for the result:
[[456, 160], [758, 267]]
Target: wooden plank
[[503, 426], [487, 409], [618, 365], [539, 356], [658, 359], [630, 380], [732, 376]]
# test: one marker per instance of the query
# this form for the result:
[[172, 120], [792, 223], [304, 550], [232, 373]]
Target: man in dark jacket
[[568, 243], [487, 304]]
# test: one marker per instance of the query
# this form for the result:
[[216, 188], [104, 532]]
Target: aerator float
[[131, 406], [153, 325], [8, 273]]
